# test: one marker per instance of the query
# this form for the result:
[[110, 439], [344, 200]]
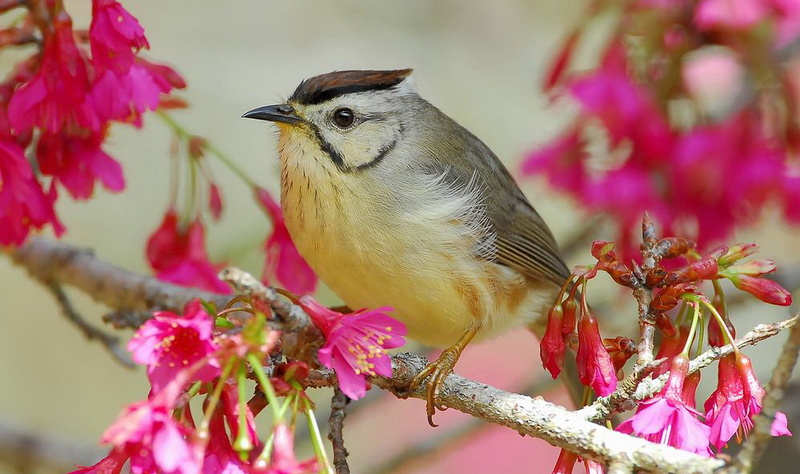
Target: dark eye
[[344, 117]]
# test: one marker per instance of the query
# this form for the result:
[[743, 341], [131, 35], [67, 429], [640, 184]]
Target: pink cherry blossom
[[55, 98], [111, 464], [153, 440], [730, 410], [283, 459], [76, 162], [283, 260], [179, 256], [24, 206], [356, 343], [219, 456], [666, 418], [595, 368], [126, 97], [115, 36], [552, 347], [170, 343]]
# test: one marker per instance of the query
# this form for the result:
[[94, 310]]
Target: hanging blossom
[[730, 410], [59, 104], [178, 255], [667, 419], [671, 116], [595, 368], [283, 261], [356, 343]]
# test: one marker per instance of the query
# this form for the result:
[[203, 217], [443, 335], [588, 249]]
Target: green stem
[[266, 387], [185, 135], [722, 324], [316, 440], [242, 444], [695, 319], [214, 399]]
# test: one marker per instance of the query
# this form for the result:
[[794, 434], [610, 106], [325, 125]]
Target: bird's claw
[[438, 372]]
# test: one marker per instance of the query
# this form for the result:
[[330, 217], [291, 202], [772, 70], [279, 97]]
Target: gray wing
[[523, 240]]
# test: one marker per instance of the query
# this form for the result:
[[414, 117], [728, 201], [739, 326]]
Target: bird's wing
[[523, 240]]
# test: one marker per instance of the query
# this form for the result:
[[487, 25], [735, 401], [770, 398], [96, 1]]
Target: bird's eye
[[344, 117]]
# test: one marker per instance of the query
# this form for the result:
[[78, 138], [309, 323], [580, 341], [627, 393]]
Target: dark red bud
[[671, 247]]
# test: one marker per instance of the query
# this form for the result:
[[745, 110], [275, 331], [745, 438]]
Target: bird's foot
[[438, 372]]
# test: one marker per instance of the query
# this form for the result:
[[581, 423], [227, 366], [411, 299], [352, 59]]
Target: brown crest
[[324, 87]]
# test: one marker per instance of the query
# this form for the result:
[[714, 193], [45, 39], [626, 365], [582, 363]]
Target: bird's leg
[[439, 370]]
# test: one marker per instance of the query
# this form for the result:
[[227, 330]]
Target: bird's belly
[[437, 291]]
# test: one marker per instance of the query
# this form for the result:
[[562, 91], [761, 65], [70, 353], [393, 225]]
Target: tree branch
[[50, 262]]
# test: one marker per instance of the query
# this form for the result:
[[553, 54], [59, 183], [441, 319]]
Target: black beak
[[275, 113]]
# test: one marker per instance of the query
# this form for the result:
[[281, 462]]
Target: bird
[[393, 203]]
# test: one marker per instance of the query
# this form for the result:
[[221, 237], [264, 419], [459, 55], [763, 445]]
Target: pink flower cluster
[[187, 355], [59, 103], [670, 417], [684, 136], [177, 251]]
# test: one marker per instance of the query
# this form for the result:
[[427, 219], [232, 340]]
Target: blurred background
[[480, 62]]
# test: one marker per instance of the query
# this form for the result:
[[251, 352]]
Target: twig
[[415, 453], [754, 447], [109, 341], [335, 434], [49, 261], [644, 294], [552, 423]]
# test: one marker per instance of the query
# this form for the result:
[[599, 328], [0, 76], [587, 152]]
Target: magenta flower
[[23, 204], [111, 464], [179, 255], [220, 457], [126, 97], [736, 401], [734, 14], [666, 419], [552, 347], [55, 99], [595, 367], [149, 436], [356, 343], [764, 289], [283, 260], [115, 36], [76, 162], [170, 343], [283, 459]]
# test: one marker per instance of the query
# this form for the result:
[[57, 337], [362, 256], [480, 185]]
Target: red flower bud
[[551, 349], [764, 289], [595, 368], [570, 311]]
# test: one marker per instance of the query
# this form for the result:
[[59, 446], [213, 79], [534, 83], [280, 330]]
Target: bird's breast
[[421, 252]]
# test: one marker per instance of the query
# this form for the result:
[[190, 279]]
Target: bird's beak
[[275, 113]]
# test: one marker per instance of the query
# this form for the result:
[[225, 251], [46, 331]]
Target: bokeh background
[[480, 62]]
